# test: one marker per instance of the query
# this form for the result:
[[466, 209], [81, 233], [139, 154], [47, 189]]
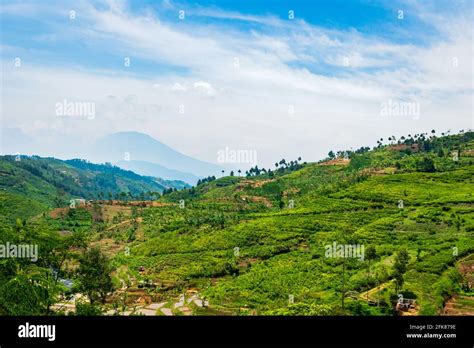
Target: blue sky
[[237, 68], [373, 18]]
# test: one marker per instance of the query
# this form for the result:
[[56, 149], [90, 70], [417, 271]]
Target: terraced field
[[267, 244], [247, 256]]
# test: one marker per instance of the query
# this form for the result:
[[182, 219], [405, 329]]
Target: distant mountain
[[50, 182], [156, 170], [139, 147]]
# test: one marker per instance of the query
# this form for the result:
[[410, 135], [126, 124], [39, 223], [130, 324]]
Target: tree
[[94, 275], [369, 255], [28, 292], [59, 199], [222, 172], [380, 276], [281, 204], [400, 267], [28, 288], [239, 171], [331, 154], [426, 164], [97, 215], [87, 309], [231, 173]]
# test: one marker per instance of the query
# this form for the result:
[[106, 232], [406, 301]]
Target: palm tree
[[222, 172], [239, 171]]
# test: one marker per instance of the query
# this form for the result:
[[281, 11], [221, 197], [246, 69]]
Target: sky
[[283, 79]]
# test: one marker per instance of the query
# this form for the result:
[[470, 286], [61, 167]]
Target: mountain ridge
[[52, 182], [136, 146]]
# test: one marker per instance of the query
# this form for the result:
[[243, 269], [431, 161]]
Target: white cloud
[[241, 86], [178, 87], [204, 87]]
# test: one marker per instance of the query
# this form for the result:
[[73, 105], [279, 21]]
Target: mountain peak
[[136, 146]]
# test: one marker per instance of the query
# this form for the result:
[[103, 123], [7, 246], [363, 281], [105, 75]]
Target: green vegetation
[[29, 185], [257, 244]]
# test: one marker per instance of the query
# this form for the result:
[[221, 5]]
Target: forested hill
[[251, 243], [267, 243], [31, 184]]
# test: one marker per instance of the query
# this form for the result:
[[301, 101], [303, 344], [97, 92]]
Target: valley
[[253, 244]]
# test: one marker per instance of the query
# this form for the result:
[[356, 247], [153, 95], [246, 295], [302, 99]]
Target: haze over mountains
[[156, 170], [133, 151], [143, 154]]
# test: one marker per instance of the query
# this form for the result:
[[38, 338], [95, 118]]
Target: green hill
[[269, 243], [390, 198], [39, 183]]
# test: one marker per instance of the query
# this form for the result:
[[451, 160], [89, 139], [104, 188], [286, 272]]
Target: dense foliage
[[258, 244]]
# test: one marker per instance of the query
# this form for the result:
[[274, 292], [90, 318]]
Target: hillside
[[49, 182], [268, 243], [281, 224]]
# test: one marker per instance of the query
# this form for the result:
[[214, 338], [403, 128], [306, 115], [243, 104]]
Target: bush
[[303, 308], [426, 164], [87, 309]]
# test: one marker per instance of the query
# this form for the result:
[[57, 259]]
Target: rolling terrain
[[47, 183], [262, 244]]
